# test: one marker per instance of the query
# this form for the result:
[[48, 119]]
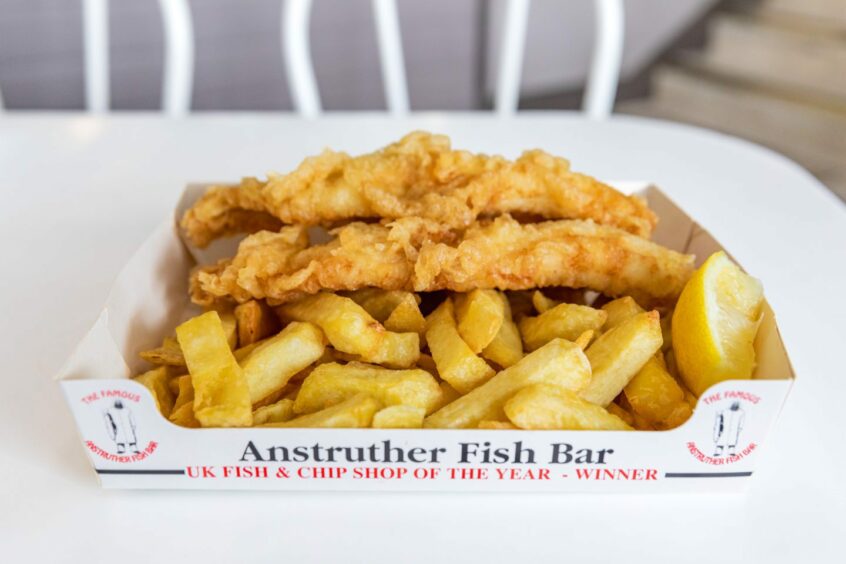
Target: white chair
[[601, 84], [179, 57], [178, 64]]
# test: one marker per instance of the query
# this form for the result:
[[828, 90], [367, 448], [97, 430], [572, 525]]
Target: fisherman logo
[[730, 417], [122, 442]]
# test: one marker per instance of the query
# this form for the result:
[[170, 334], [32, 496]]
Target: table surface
[[78, 194]]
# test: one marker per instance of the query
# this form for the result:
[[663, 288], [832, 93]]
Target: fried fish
[[419, 176], [421, 255]]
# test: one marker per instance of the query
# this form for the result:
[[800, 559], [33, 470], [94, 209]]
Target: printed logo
[[728, 424], [727, 444], [122, 441]]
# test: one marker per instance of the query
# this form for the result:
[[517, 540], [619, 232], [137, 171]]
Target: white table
[[78, 194]]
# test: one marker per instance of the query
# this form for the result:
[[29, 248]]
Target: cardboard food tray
[[149, 299]]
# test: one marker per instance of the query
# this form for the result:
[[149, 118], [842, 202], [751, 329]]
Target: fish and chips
[[449, 290]]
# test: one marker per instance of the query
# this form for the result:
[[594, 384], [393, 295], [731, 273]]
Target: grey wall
[[239, 64]]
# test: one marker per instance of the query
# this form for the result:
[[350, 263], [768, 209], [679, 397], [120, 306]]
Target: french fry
[[352, 330], [479, 316], [499, 425], [542, 406], [448, 395], [355, 412], [184, 416], [279, 412], [156, 381], [690, 399], [653, 393], [244, 352], [619, 354], [272, 363], [230, 328], [584, 339], [620, 310], [221, 392], [615, 409], [564, 321], [255, 321], [681, 413], [173, 385], [398, 350], [332, 383], [456, 362], [637, 421], [559, 363], [542, 303], [185, 391], [399, 417], [506, 348], [381, 303], [406, 317], [168, 354]]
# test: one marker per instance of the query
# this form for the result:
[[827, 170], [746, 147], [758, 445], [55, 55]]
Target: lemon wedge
[[714, 324]]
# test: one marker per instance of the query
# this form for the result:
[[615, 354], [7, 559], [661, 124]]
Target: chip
[[399, 417], [542, 303], [168, 354], [619, 310], [506, 348], [381, 303], [564, 321], [548, 407], [352, 330], [619, 354], [185, 391], [355, 412], [332, 383], [559, 363], [448, 395], [184, 416], [456, 362], [279, 412], [255, 321], [270, 366], [479, 315], [156, 381], [221, 392], [615, 409], [406, 317], [655, 395]]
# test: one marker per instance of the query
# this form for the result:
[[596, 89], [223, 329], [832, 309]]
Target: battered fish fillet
[[421, 255], [282, 267], [418, 176], [507, 255]]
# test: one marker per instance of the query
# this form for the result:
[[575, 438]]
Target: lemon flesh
[[714, 324]]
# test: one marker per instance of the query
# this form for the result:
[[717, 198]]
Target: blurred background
[[773, 71]]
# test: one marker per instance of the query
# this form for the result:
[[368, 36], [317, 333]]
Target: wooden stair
[[774, 72]]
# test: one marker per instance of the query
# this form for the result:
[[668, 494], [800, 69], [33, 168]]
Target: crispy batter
[[572, 253], [420, 255], [418, 176], [282, 267], [229, 210]]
